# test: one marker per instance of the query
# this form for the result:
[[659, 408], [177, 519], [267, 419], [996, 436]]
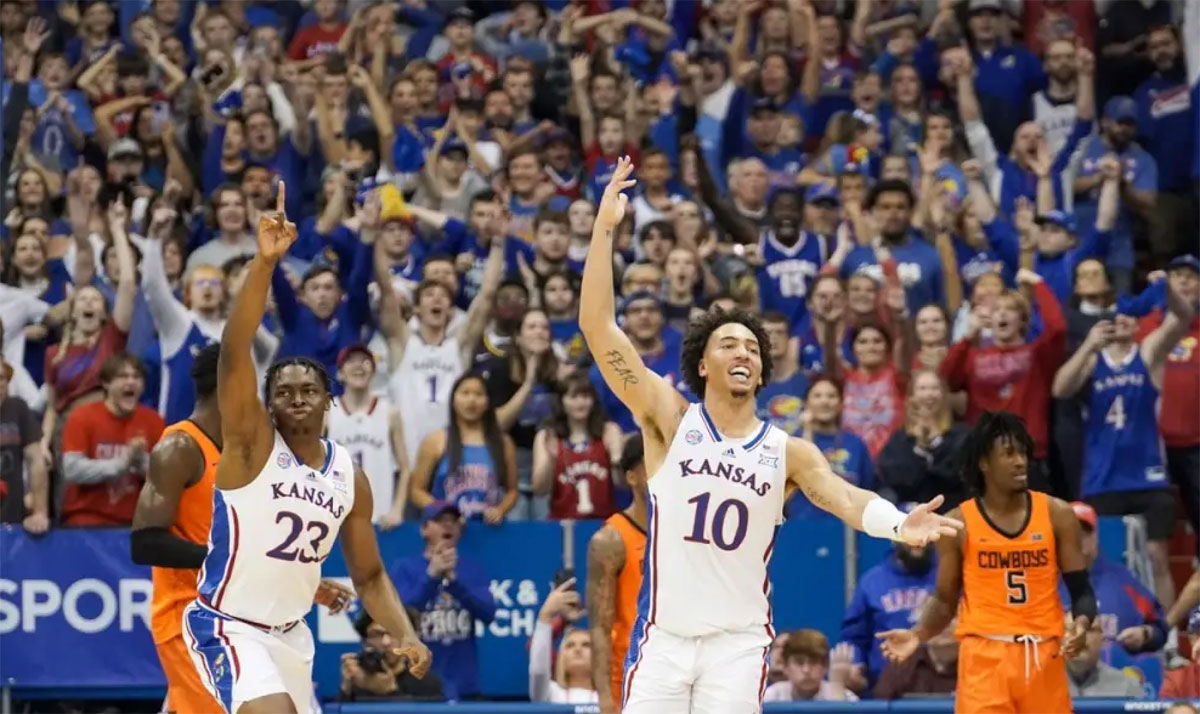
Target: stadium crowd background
[[932, 205]]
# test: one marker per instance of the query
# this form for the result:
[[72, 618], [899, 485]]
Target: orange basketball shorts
[[992, 677]]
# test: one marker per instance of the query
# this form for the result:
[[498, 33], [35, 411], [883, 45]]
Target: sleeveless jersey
[[1010, 584], [1123, 450], [475, 484], [715, 506], [582, 485], [629, 582], [788, 273], [367, 436], [269, 537], [176, 389], [421, 387], [175, 588]]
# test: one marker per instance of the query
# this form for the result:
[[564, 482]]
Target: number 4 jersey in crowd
[[269, 537]]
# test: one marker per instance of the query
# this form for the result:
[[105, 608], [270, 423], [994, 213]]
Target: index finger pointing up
[[280, 198]]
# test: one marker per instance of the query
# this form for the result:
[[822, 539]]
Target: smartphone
[[563, 575]]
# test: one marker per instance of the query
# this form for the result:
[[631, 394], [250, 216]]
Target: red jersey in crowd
[[315, 41], [873, 406], [582, 485], [78, 372], [1015, 379], [96, 433], [1178, 418]]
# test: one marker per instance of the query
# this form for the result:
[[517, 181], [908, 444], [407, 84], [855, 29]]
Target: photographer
[[379, 672]]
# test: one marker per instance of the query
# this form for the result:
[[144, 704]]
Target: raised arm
[[379, 596], [480, 310], [391, 315], [580, 70], [171, 318], [1108, 204], [810, 80], [122, 314], [1158, 344], [380, 114], [246, 432], [1076, 371], [605, 558], [651, 400]]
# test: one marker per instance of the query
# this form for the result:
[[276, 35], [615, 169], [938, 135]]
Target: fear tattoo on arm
[[616, 362]]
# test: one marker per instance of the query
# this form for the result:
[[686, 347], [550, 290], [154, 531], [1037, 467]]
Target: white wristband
[[882, 520]]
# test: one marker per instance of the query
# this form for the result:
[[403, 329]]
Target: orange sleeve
[[77, 433]]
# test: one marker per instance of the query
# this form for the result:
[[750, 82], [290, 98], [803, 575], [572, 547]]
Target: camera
[[372, 660]]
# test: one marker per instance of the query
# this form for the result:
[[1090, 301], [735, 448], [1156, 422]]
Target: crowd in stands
[[938, 207]]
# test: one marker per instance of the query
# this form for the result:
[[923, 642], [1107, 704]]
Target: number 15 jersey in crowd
[[715, 507], [269, 537]]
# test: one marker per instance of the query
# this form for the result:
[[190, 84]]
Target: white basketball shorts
[[239, 662], [721, 673]]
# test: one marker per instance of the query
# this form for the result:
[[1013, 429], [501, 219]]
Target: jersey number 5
[[1017, 593], [317, 530]]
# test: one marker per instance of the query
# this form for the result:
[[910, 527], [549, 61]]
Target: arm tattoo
[[616, 362]]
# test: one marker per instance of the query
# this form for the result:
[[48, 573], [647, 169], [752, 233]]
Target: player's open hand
[[612, 204], [898, 645], [416, 655], [1076, 638], [923, 524], [334, 595], [275, 232]]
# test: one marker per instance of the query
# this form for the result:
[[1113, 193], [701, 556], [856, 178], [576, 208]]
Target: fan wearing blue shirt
[[762, 125], [1129, 615], [64, 114], [793, 256], [917, 261], [1138, 185], [1059, 249], [452, 595], [781, 400], [1167, 128], [1006, 75], [888, 596]]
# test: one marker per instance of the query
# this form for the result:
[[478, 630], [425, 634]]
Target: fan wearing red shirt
[[1179, 420], [321, 37], [462, 57], [106, 448], [1009, 373]]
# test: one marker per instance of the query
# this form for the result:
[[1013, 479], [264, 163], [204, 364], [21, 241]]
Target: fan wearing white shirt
[[571, 681]]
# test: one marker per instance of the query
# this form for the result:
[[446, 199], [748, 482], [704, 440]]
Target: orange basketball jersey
[[174, 588], [629, 582], [1010, 582]]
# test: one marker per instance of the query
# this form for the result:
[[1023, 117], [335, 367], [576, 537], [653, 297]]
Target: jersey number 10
[[718, 522]]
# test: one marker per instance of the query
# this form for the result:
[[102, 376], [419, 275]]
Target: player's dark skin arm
[[1068, 537], [175, 464], [943, 603], [379, 596], [606, 557], [247, 433]]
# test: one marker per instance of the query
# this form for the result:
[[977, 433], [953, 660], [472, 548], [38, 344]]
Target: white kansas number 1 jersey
[[715, 506], [269, 537]]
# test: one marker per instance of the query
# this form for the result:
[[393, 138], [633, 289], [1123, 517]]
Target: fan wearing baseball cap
[[1123, 466], [372, 430], [1129, 614], [1138, 175]]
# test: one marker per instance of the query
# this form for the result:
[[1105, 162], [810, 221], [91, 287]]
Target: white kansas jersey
[[269, 537], [367, 436], [421, 386], [715, 506]]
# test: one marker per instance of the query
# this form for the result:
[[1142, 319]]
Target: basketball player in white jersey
[[283, 494], [372, 430], [423, 363], [717, 479]]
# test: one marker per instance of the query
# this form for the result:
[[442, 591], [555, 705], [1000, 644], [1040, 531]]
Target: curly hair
[[696, 339], [992, 428]]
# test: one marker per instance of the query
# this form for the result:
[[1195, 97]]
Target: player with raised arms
[[281, 496], [1005, 566], [717, 481]]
